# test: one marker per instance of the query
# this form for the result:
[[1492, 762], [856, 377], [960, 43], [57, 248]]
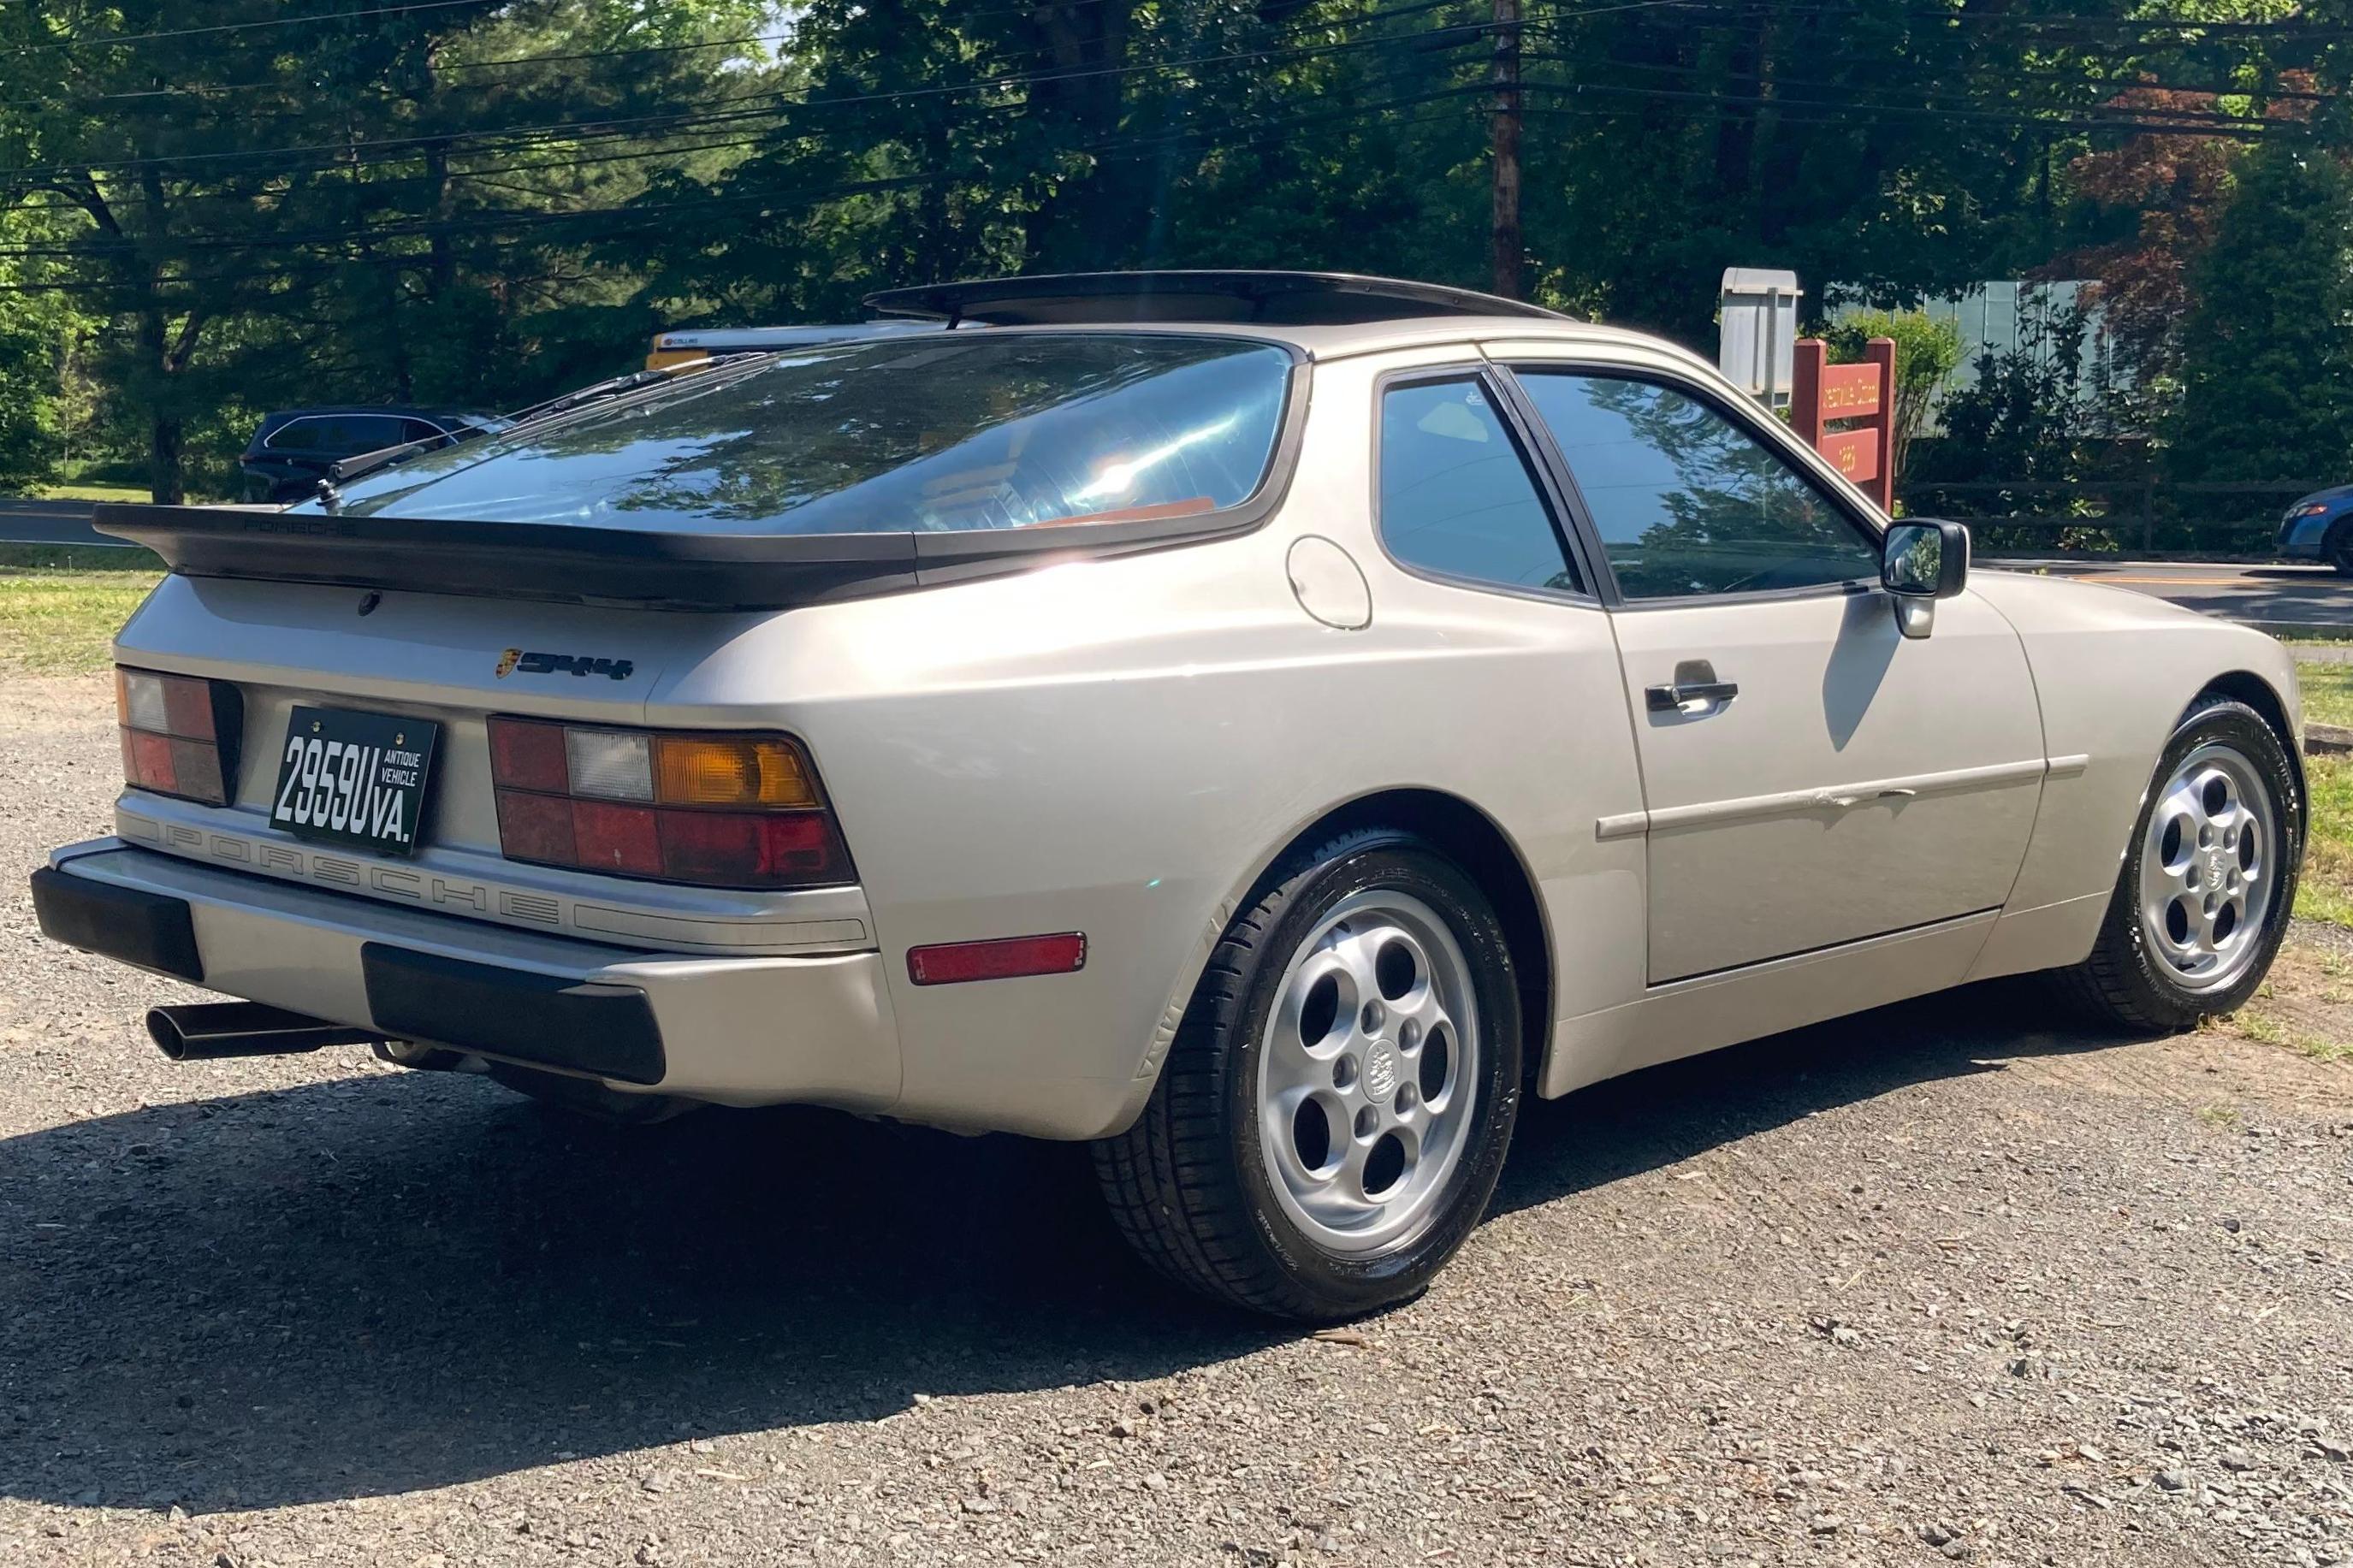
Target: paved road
[[48, 522], [2284, 595]]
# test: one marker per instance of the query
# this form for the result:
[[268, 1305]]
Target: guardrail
[[2145, 516]]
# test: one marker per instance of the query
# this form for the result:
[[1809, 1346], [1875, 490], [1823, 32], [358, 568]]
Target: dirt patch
[[2305, 1010], [40, 703], [2288, 1048]]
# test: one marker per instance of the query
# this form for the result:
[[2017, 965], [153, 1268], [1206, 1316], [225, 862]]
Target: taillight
[[722, 811], [179, 735]]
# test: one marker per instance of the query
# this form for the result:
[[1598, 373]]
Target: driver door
[[1811, 777]]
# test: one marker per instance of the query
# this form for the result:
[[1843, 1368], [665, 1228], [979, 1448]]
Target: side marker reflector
[[952, 963]]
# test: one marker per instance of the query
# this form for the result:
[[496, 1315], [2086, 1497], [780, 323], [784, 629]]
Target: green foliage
[[1926, 351], [2267, 379], [480, 201], [2030, 414]]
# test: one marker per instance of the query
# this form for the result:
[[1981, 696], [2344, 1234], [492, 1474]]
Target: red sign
[[1860, 397], [1849, 391], [1854, 453]]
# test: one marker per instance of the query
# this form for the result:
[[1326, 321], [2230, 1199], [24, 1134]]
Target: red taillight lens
[[709, 846], [178, 735], [535, 828], [528, 756], [625, 840], [722, 811]]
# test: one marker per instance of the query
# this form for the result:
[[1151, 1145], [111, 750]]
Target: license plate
[[356, 779]]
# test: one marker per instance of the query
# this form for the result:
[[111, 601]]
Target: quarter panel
[[1121, 746]]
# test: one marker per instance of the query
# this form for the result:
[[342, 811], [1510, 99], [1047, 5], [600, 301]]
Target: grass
[[60, 604], [91, 493], [2328, 891], [2327, 692], [2266, 1031]]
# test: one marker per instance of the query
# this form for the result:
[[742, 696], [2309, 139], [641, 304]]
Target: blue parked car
[[2320, 528]]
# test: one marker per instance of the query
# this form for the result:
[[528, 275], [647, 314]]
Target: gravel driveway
[[1931, 1284]]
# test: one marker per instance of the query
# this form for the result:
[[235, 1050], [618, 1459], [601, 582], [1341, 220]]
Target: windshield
[[945, 435]]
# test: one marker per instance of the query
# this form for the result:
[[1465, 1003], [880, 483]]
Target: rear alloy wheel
[[1334, 1109], [2204, 896]]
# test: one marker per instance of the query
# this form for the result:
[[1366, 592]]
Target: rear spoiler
[[573, 564]]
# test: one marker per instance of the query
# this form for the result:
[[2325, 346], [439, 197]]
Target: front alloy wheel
[[1334, 1109], [2209, 867], [2208, 879]]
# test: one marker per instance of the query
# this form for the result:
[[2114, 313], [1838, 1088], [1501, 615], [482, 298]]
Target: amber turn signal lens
[[696, 770]]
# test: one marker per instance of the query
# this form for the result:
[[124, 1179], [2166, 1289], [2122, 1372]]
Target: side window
[[296, 435], [1686, 501], [369, 433], [1457, 497]]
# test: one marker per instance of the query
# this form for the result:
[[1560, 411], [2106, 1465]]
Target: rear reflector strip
[[952, 963]]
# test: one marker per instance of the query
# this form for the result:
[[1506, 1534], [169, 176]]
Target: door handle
[[1693, 687]]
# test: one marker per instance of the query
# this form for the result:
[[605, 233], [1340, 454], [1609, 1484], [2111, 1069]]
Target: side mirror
[[1921, 564]]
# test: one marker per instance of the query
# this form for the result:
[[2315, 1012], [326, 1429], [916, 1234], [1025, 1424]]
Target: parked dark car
[[2320, 528], [293, 449]]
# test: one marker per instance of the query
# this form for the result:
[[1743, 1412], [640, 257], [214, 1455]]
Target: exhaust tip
[[169, 1037], [209, 1031]]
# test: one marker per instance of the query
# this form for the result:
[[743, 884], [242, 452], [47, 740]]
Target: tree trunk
[[165, 483], [1506, 245]]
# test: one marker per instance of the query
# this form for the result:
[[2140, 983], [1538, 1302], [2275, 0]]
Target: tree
[[360, 203], [2267, 350], [2029, 415], [1926, 351]]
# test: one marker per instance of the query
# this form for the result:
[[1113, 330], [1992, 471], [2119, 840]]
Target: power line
[[630, 219], [2295, 30], [1813, 111], [208, 89], [1002, 80], [2108, 107], [111, 41]]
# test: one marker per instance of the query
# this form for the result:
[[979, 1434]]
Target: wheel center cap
[[1381, 1070], [2215, 871]]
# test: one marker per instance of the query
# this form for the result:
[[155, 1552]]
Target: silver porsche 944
[[1262, 724]]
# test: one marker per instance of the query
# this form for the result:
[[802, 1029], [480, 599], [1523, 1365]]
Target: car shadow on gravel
[[387, 1283]]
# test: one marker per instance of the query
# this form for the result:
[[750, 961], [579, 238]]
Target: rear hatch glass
[[957, 433]]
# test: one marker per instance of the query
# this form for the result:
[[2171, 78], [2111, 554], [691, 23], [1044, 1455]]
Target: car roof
[[1239, 297], [1324, 315]]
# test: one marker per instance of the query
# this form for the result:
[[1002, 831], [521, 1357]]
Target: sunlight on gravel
[[1946, 1282]]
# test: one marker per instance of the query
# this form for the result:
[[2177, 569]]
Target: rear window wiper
[[344, 468]]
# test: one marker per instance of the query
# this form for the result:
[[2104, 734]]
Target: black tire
[[2338, 551], [2123, 982], [1188, 1183]]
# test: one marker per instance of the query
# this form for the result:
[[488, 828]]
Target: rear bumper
[[737, 1030]]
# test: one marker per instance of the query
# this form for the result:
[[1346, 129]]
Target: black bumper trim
[[152, 931], [514, 1014]]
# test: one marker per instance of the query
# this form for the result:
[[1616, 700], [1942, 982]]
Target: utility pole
[[1505, 77]]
